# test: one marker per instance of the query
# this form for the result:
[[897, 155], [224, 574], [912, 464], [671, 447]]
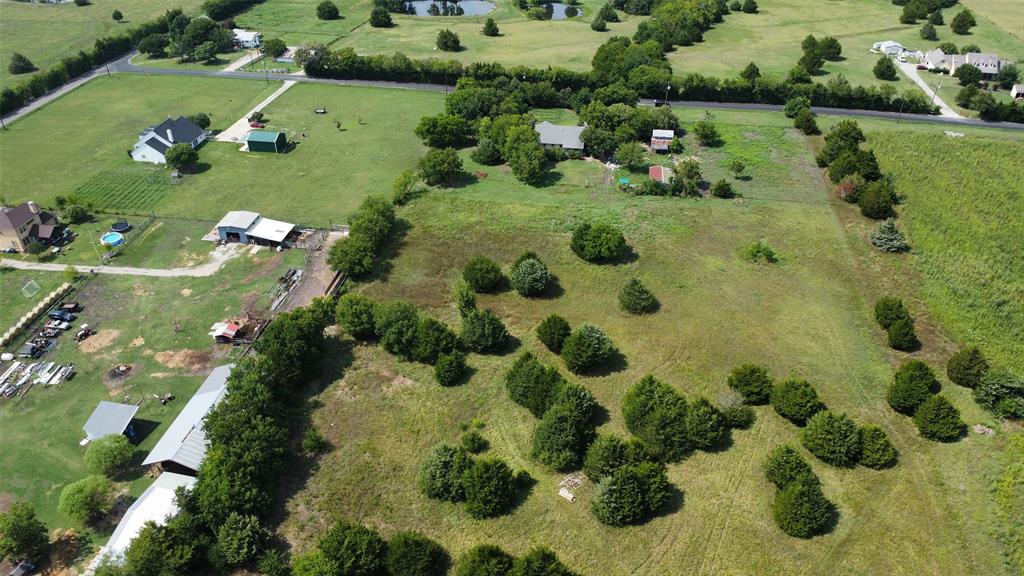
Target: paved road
[[218, 257], [910, 70]]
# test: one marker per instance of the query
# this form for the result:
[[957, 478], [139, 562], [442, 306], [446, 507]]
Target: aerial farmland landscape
[[511, 287]]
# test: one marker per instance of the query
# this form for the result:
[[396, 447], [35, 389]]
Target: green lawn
[[46, 33], [295, 21], [808, 315], [16, 304], [223, 60], [1005, 14]]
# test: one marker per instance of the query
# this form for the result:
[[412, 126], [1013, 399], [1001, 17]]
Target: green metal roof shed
[[266, 141]]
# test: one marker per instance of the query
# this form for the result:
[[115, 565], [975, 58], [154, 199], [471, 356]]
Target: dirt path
[[218, 257]]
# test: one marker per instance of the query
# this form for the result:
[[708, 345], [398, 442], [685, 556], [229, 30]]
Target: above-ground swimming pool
[[111, 239]]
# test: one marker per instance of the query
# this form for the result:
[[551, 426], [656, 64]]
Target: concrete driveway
[[911, 71], [239, 130]]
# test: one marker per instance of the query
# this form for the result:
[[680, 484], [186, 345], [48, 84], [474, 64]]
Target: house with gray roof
[[154, 141], [988, 63], [560, 136]]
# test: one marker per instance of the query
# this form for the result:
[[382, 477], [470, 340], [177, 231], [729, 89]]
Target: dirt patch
[[140, 289], [115, 377], [6, 499], [194, 361], [162, 374], [186, 292], [98, 341], [137, 342], [64, 551], [266, 270], [397, 384]]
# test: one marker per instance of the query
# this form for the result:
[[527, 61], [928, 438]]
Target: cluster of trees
[[972, 97], [490, 560], [895, 319], [71, 67], [22, 534], [369, 226], [190, 39], [487, 486], [999, 391], [223, 9], [614, 122], [815, 53], [856, 172], [529, 276], [914, 392], [669, 427], [930, 10], [352, 548], [800, 508]]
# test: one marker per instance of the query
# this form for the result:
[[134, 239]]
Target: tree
[[737, 167], [413, 554], [607, 453], [962, 22], [587, 347], [474, 442], [795, 400], [356, 549], [533, 385], [750, 73], [884, 69], [87, 500], [483, 332], [928, 32], [354, 256], [486, 152], [200, 119], [205, 52], [844, 165], [117, 16], [552, 332], [70, 274], [876, 200], [530, 277], [598, 24], [597, 242], [888, 237], [968, 74], [21, 532], [706, 133], [561, 437], [902, 336], [240, 539], [326, 10], [450, 368], [811, 62], [490, 488], [181, 156], [354, 313], [913, 383], [801, 509], [607, 13], [889, 309], [829, 48], [440, 167], [967, 366], [155, 45], [798, 75], [396, 324], [443, 130], [752, 382], [433, 338], [490, 28], [785, 465], [380, 17], [937, 419], [635, 298], [749, 7], [630, 494], [631, 155], [484, 560], [722, 189], [483, 275], [656, 413], [448, 41], [833, 438], [75, 213], [876, 450], [314, 563], [805, 122], [273, 47], [167, 549], [524, 154], [109, 455], [1007, 75], [20, 64], [441, 475], [936, 19], [705, 424], [540, 561]]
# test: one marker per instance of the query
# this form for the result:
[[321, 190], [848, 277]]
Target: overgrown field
[[45, 33], [805, 316]]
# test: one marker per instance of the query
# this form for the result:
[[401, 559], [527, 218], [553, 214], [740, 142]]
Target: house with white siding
[[154, 141]]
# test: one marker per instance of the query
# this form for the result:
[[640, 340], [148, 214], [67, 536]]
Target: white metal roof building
[[271, 230], [184, 443], [242, 219], [108, 419], [563, 136], [250, 228]]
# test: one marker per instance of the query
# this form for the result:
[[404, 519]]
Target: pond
[[549, 11], [558, 11], [463, 8]]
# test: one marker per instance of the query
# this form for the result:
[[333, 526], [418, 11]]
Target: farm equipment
[[84, 332]]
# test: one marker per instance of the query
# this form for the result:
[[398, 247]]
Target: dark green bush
[[483, 275], [656, 413], [888, 310], [533, 385], [902, 336], [355, 314], [631, 494], [22, 534], [413, 554], [355, 548], [937, 419], [801, 509], [752, 382], [396, 325], [805, 122], [876, 450], [474, 442], [433, 338], [240, 539], [484, 560], [705, 424], [1002, 393], [833, 438], [484, 332], [587, 347], [552, 332], [441, 475], [597, 242], [913, 383], [490, 488], [785, 465], [530, 277], [796, 400], [635, 298], [967, 366], [607, 453], [540, 561], [561, 437], [450, 368], [465, 298], [722, 189], [738, 416], [876, 201]]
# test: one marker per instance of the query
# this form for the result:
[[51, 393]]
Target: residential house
[[155, 140], [25, 223], [936, 59], [889, 47], [661, 139], [246, 38], [989, 64], [1017, 91], [560, 136]]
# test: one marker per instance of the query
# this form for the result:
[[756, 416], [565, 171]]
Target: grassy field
[[295, 21], [158, 325], [1005, 14], [45, 33], [809, 315], [771, 39], [17, 304]]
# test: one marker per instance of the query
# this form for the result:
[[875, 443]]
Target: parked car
[[29, 350], [70, 306], [84, 332], [257, 125], [57, 325], [61, 315], [659, 103], [922, 67]]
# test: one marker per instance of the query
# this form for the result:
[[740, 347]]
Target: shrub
[[486, 152], [656, 414], [888, 237], [936, 19], [705, 424], [19, 64], [355, 548], [785, 465], [968, 75], [440, 167], [607, 453], [533, 385], [966, 367], [109, 455], [830, 48], [483, 275], [441, 475], [450, 368], [561, 437], [876, 200], [752, 382], [844, 165], [314, 563], [801, 509], [540, 561], [913, 384], [586, 348], [804, 121], [552, 332], [876, 450], [795, 105], [722, 189], [738, 415], [706, 133], [834, 439], [433, 338], [354, 313], [749, 6], [597, 242], [937, 419], [21, 532], [465, 298], [326, 10], [598, 25], [87, 500], [927, 32], [448, 41], [490, 28], [962, 23], [413, 554], [630, 494], [888, 310], [607, 13], [240, 538], [635, 298], [884, 69], [484, 560], [902, 336], [795, 400], [396, 324], [474, 442], [490, 488], [530, 277], [1002, 393], [380, 18], [181, 156], [759, 251], [313, 442], [631, 155], [483, 332]]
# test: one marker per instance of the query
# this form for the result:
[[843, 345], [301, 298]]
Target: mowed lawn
[[295, 21], [804, 316], [771, 39], [1005, 14], [46, 33], [158, 326]]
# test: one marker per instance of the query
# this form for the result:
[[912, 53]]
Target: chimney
[[33, 207], [170, 136]]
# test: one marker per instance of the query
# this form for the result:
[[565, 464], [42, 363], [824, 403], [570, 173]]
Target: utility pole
[[667, 88]]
